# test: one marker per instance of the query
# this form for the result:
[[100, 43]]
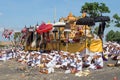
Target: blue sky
[[15, 14]]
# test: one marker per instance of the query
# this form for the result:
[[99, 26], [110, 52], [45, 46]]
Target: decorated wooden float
[[72, 38]]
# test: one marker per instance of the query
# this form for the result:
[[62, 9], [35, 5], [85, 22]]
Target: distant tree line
[[113, 36]]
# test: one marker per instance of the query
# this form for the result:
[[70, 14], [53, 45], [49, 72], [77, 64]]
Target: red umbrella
[[40, 28], [49, 27], [44, 28]]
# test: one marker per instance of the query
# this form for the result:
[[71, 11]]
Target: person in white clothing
[[99, 61], [79, 64], [87, 61]]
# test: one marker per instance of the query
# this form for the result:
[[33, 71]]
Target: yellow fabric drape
[[96, 45]]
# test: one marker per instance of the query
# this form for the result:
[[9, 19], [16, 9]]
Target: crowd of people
[[70, 62], [112, 50]]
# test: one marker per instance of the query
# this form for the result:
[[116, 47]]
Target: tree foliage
[[17, 38], [95, 9], [116, 20], [108, 24], [113, 36], [17, 35]]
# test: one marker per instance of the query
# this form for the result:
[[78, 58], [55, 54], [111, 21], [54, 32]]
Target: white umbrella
[[59, 24]]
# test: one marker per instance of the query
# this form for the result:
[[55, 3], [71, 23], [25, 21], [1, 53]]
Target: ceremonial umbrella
[[59, 25], [102, 18], [85, 21], [67, 30], [44, 28], [55, 31]]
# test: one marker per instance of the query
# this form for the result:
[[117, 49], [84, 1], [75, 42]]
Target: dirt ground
[[9, 70]]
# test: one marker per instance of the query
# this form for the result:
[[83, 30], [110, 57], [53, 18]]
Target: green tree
[[113, 36], [110, 35], [116, 20], [17, 38], [17, 35], [117, 36], [95, 9]]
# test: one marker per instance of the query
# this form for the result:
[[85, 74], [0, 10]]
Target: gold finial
[[83, 14]]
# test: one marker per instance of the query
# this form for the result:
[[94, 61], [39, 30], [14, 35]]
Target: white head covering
[[44, 54], [79, 58], [32, 52], [65, 53], [72, 54], [52, 53]]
